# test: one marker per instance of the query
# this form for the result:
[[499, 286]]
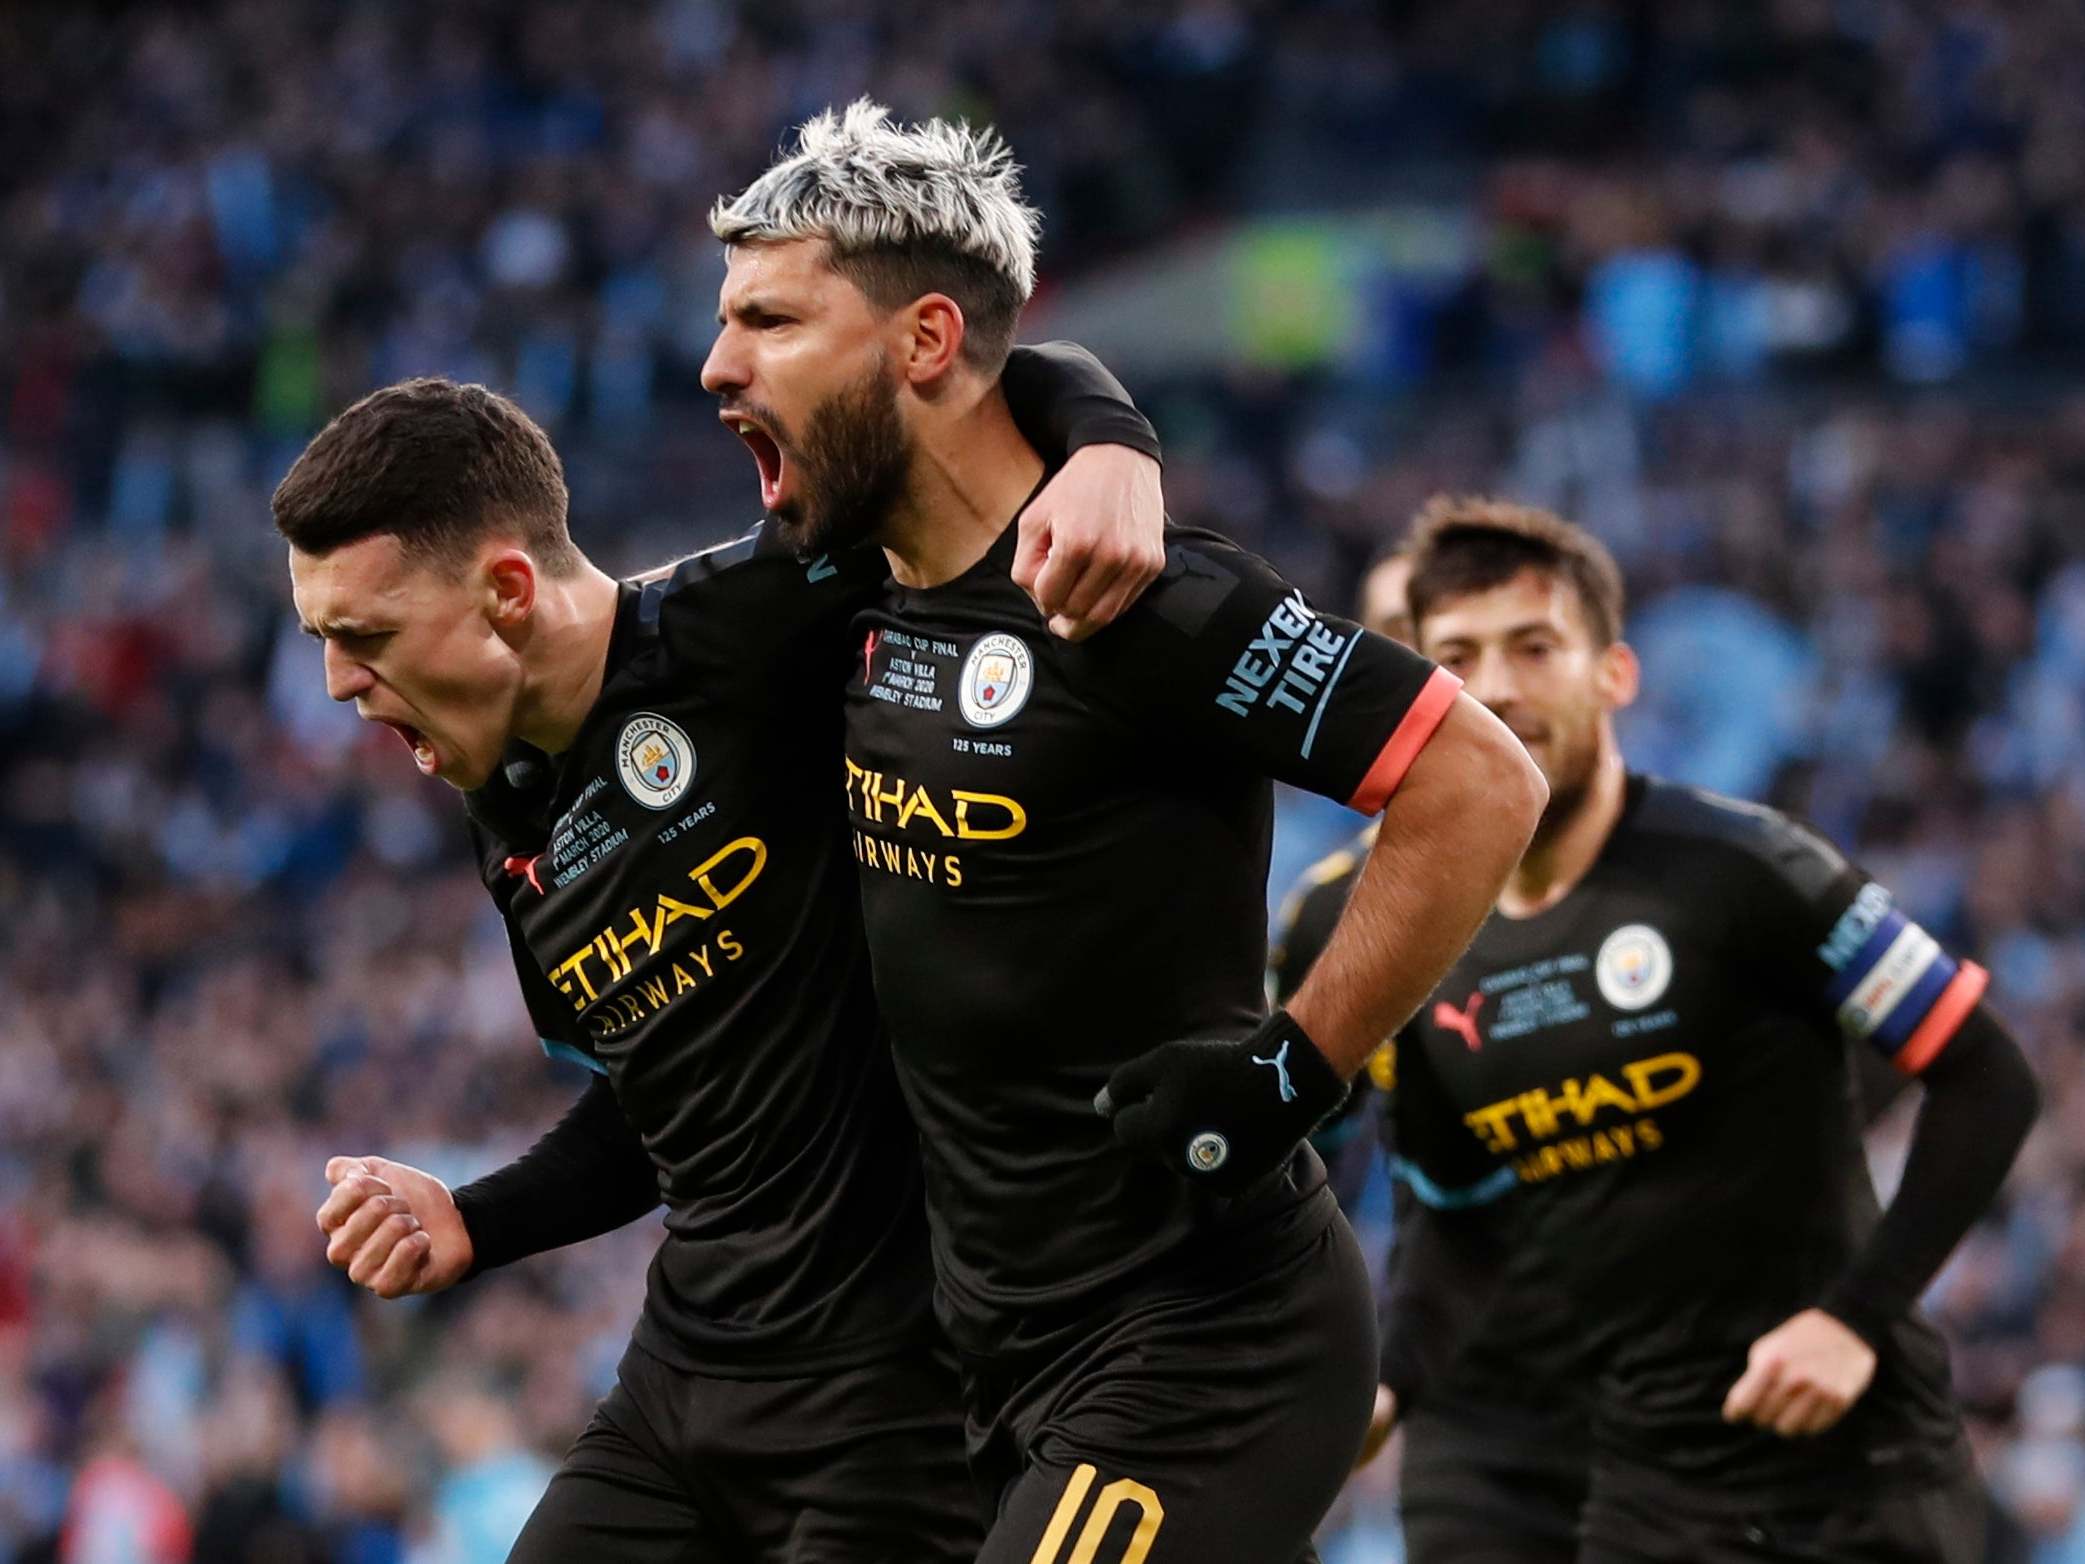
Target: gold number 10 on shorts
[[1150, 1515]]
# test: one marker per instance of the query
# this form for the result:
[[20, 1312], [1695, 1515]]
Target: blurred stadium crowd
[[1775, 297]]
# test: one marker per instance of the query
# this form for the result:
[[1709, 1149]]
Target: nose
[[346, 678], [1489, 680], [726, 369]]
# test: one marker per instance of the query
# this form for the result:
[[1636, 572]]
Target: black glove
[[1223, 1114]]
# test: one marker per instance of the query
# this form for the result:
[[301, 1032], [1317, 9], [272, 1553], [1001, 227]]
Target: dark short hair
[[437, 465], [1462, 544], [891, 276]]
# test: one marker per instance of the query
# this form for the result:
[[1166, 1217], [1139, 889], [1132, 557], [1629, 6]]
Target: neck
[[1562, 853], [970, 473], [565, 657]]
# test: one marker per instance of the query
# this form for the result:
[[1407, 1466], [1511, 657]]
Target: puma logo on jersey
[[1463, 1022], [1280, 1064]]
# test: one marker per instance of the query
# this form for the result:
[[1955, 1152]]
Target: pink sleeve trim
[[1424, 715], [1945, 1019]]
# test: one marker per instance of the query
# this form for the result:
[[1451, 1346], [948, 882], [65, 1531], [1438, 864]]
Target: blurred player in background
[[1063, 855], [1629, 1117], [1311, 910], [1517, 1412], [649, 774]]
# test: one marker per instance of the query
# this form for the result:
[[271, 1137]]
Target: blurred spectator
[[491, 1482]]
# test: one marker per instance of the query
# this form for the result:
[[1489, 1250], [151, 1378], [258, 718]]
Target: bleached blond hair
[[907, 210]]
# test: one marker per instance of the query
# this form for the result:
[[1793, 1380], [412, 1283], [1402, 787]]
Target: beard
[[1570, 778], [851, 466]]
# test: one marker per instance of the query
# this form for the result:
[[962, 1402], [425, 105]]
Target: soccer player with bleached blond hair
[[646, 767], [1062, 850]]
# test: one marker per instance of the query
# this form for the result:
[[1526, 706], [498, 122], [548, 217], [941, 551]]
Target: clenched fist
[[1092, 540], [393, 1229], [1801, 1377]]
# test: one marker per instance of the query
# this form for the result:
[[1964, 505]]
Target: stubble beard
[[1570, 789]]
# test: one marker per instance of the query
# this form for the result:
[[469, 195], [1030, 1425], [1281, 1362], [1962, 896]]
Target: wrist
[[478, 1217], [1305, 1079], [1866, 1318]]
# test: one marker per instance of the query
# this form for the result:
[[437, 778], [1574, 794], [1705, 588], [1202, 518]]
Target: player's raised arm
[[1895, 990], [1233, 665]]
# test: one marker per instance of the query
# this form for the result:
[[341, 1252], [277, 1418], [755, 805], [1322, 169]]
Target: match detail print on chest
[[1588, 1099], [924, 777], [649, 923]]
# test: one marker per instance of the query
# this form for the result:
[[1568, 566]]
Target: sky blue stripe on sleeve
[[1481, 1193], [1903, 1020], [571, 1055], [1310, 734], [1863, 960]]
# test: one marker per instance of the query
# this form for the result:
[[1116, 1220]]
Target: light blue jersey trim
[[1310, 734], [1481, 1193], [571, 1055]]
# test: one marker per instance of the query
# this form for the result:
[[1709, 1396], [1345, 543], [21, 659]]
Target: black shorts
[[1467, 1496], [1208, 1424], [1941, 1522], [856, 1466]]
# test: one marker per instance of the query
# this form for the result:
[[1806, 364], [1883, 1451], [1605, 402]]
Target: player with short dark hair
[[429, 462], [1629, 1117], [1063, 853], [647, 767]]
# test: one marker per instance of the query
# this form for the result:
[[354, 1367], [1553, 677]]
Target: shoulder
[[1680, 822], [759, 556], [751, 607], [1203, 572], [1211, 594]]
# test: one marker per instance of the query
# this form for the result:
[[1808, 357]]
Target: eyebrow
[[747, 308], [327, 628], [1511, 633]]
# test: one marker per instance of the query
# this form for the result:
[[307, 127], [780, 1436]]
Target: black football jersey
[[1063, 856], [1648, 1086], [680, 892]]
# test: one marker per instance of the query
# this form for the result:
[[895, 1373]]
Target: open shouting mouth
[[425, 755], [767, 452]]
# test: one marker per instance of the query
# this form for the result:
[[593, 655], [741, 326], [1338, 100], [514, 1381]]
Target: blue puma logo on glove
[[1280, 1061]]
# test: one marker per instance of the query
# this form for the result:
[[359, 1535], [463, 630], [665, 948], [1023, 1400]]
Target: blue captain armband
[[1896, 989]]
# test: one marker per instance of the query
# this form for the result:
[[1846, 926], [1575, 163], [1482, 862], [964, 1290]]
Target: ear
[[932, 343], [1619, 676], [510, 588]]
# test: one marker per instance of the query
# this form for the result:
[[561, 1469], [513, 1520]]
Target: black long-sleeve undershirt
[[587, 1175], [1980, 1101]]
